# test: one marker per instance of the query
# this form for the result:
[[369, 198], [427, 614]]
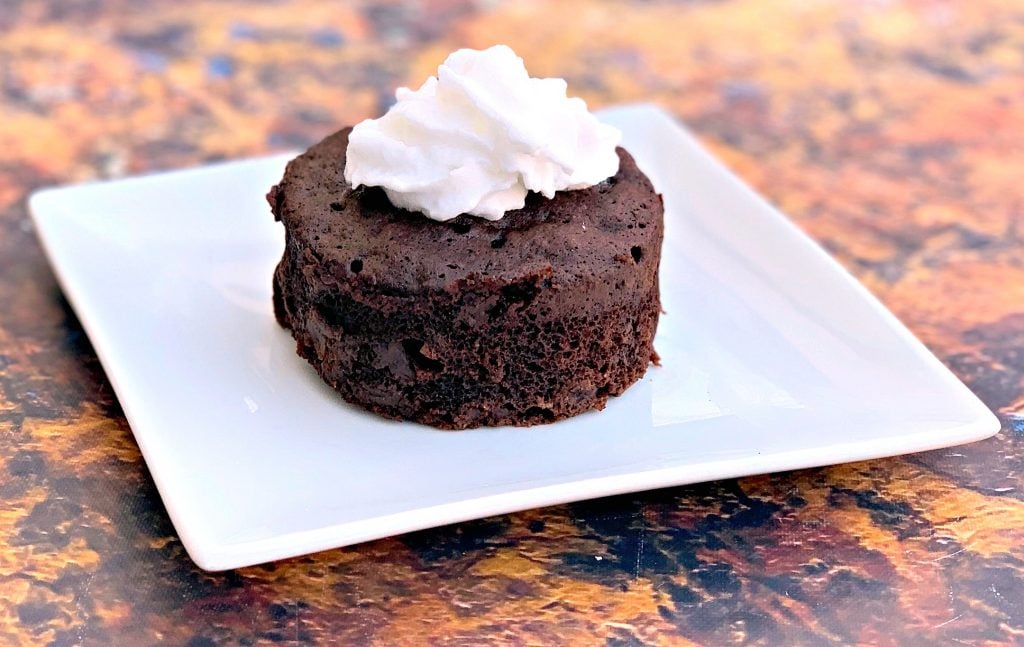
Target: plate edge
[[201, 548], [225, 555]]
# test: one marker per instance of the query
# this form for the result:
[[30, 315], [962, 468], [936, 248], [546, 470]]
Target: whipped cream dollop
[[478, 137]]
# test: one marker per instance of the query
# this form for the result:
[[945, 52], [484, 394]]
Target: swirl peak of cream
[[478, 137]]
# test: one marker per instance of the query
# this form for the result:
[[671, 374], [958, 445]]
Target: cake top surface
[[580, 235]]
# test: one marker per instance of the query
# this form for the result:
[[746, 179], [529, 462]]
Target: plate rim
[[213, 554]]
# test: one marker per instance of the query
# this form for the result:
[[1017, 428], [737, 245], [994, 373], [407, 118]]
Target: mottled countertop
[[892, 132]]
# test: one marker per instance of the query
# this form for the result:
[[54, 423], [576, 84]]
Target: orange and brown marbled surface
[[892, 131]]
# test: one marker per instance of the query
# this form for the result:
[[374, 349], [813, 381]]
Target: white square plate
[[774, 358]]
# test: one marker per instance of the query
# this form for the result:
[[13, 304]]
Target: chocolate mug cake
[[516, 294]]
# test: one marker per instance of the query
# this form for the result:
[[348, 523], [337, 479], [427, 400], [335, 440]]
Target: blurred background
[[891, 130], [865, 110]]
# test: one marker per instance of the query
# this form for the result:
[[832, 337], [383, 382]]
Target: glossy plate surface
[[774, 358]]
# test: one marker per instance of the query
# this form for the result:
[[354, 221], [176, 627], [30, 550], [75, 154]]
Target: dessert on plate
[[482, 254]]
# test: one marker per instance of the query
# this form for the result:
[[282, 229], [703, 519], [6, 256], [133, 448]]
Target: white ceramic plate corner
[[774, 358]]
